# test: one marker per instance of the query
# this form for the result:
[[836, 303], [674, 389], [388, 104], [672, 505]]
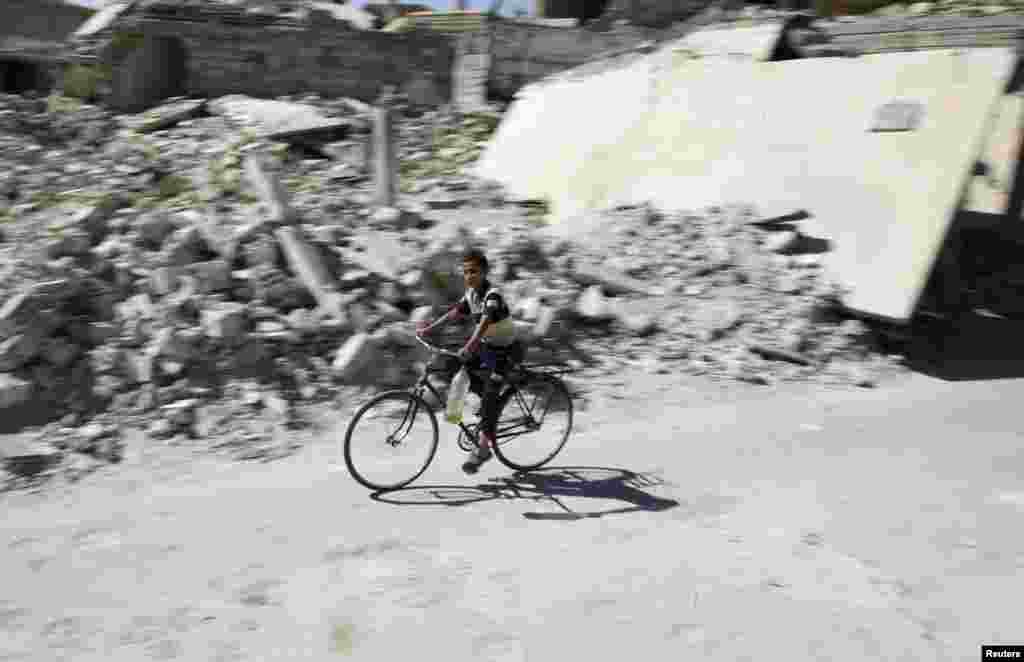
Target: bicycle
[[525, 386]]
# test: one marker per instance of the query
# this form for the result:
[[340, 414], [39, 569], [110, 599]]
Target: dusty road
[[685, 522]]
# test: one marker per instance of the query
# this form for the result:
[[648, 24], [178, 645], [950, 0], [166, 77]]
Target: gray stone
[[13, 390], [715, 319], [393, 218], [28, 459], [639, 324], [154, 228], [161, 429], [422, 314], [547, 322], [354, 356], [102, 332], [261, 251], [18, 350], [593, 306], [138, 367], [59, 352], [184, 247], [781, 242], [271, 191], [225, 321], [164, 280], [71, 242], [610, 281], [22, 309], [171, 344], [529, 308], [219, 238], [211, 276], [181, 413], [310, 267]]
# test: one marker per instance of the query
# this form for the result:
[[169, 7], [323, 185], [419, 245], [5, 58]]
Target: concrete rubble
[[186, 309]]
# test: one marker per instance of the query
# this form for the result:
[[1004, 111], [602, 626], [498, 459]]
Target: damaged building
[[31, 41]]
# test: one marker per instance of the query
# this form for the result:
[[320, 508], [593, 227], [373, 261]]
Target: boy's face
[[472, 274]]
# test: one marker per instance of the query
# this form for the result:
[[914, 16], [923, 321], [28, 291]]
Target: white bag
[[457, 397]]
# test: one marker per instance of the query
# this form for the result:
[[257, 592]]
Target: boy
[[493, 346]]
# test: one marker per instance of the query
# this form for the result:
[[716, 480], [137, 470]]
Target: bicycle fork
[[398, 436]]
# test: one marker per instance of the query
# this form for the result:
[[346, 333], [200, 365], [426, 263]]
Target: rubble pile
[[744, 300], [197, 267]]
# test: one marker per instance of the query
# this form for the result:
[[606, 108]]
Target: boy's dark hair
[[476, 255]]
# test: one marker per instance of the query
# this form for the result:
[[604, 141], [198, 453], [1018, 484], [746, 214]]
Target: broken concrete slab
[[271, 191], [218, 237], [210, 276], [168, 114], [380, 255], [357, 353], [95, 220], [225, 321], [768, 148], [24, 310], [101, 20], [309, 266], [612, 282], [885, 264], [280, 120]]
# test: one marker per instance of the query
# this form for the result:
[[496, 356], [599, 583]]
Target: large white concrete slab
[[556, 126], [886, 199], [683, 133]]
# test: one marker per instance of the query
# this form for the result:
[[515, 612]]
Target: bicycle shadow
[[549, 484]]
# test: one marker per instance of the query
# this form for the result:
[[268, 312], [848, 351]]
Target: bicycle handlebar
[[437, 349]]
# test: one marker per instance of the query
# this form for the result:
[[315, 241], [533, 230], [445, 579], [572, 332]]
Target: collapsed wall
[[690, 126]]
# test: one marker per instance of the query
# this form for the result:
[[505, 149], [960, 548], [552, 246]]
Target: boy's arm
[[454, 313], [474, 341]]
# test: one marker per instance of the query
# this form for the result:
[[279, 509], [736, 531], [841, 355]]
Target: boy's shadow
[[549, 484]]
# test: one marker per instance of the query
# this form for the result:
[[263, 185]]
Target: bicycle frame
[[513, 428]]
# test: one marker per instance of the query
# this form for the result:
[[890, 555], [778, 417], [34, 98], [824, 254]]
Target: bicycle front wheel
[[534, 423], [391, 441]]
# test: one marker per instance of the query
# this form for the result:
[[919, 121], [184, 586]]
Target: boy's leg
[[489, 408], [488, 417]]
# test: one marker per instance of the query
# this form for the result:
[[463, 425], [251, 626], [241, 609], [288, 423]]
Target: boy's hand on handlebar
[[422, 328]]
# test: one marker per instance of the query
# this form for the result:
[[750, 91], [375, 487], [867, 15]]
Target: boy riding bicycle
[[493, 347]]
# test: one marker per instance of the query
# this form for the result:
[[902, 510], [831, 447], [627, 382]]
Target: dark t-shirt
[[484, 302]]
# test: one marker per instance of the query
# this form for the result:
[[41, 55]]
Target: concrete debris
[[270, 190], [279, 120], [593, 307], [289, 284]]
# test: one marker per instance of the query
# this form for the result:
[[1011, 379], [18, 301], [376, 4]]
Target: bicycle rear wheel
[[534, 422], [390, 441]]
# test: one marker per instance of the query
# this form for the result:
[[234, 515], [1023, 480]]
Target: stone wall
[[522, 54], [44, 20], [655, 13], [331, 62]]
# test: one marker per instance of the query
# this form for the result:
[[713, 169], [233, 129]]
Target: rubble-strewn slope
[[189, 278]]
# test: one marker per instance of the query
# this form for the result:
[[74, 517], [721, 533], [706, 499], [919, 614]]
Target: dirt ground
[[683, 521]]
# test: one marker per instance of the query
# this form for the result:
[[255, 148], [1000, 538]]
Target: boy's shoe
[[478, 456]]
